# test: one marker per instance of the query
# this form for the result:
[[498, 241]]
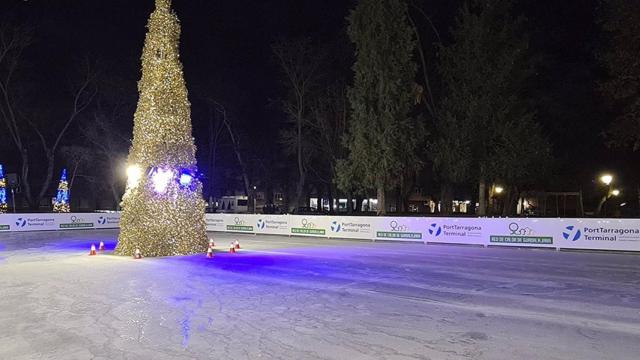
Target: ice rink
[[299, 298]]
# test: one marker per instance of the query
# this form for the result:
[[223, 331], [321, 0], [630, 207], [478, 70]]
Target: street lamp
[[255, 209], [499, 189], [606, 179]]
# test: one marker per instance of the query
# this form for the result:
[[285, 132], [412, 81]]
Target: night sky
[[226, 54]]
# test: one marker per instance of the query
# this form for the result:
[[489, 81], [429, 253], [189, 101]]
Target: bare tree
[[235, 141], [300, 66], [76, 157], [109, 146], [83, 93], [216, 129], [329, 112], [13, 41]]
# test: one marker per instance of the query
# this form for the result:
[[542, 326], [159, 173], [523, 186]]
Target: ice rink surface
[[299, 298]]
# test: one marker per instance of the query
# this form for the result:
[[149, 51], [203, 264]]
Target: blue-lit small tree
[[61, 204], [3, 192]]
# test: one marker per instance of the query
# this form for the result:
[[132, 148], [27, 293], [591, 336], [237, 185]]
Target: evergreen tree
[[382, 137], [3, 191], [487, 129], [163, 209], [621, 24], [61, 203]]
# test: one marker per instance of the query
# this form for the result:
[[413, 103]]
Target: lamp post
[[607, 179], [255, 208]]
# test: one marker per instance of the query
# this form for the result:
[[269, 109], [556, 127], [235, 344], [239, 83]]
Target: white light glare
[[133, 176], [160, 179], [606, 179]]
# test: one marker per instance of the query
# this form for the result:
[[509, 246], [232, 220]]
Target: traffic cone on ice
[[236, 244], [137, 254], [93, 250], [210, 252], [101, 247], [232, 248]]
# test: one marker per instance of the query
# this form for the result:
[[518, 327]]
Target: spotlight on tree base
[[186, 178], [134, 173], [160, 179]]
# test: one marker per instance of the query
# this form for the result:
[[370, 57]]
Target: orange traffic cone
[[237, 245], [101, 247], [137, 254], [210, 252], [93, 250], [232, 248]]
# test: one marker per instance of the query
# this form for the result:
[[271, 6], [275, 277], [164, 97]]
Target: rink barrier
[[592, 234], [49, 221]]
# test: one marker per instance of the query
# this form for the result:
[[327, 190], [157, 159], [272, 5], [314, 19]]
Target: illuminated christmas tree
[[61, 204], [3, 192], [163, 209]]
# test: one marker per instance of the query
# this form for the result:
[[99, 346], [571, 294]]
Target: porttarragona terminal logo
[[261, 224], [434, 229], [571, 233], [102, 220], [307, 227], [519, 234], [398, 231], [21, 222], [239, 225], [606, 232], [351, 227]]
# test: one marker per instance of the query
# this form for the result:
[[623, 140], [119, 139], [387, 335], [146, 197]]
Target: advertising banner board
[[594, 234]]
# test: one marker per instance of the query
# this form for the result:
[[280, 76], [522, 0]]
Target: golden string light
[[162, 214]]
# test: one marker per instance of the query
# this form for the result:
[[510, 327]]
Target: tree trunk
[[600, 205], [446, 199], [382, 205], [47, 182], [350, 203], [330, 193], [299, 190], [25, 177], [116, 197], [508, 201], [400, 201], [482, 198]]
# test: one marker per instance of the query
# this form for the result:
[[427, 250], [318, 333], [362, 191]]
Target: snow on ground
[[300, 298]]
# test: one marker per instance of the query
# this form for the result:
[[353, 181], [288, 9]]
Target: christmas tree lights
[[61, 203], [3, 191], [163, 209]]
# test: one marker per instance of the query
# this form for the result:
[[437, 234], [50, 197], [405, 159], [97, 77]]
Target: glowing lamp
[[186, 179], [134, 173], [606, 179], [615, 192], [499, 189], [160, 180]]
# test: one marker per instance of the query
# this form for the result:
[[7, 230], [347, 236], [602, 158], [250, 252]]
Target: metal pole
[[13, 199]]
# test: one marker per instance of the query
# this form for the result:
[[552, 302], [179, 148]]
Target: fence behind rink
[[596, 234]]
